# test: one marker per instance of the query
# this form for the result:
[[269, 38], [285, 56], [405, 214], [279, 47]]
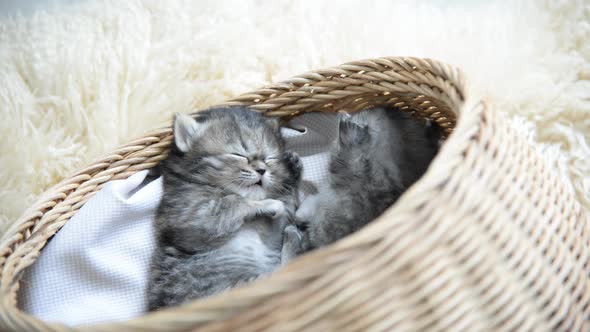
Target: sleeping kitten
[[378, 154], [230, 190]]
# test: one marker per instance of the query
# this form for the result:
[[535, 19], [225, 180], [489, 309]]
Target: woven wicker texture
[[488, 239]]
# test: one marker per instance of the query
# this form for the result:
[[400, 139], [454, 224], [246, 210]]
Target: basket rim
[[386, 76]]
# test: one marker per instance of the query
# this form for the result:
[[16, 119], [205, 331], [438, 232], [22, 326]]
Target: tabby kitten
[[230, 192], [378, 154]]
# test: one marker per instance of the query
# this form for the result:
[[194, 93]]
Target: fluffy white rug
[[77, 82]]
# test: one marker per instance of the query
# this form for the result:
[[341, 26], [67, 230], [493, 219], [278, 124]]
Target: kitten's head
[[366, 145], [233, 148], [386, 141]]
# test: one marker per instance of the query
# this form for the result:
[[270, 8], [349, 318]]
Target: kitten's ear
[[343, 116], [350, 133], [433, 132], [186, 129]]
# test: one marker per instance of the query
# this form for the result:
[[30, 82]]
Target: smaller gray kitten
[[378, 154], [230, 191]]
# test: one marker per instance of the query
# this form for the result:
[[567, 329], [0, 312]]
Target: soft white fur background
[[82, 79]]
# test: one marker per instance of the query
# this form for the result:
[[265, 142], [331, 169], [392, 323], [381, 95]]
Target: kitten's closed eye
[[272, 159], [237, 156]]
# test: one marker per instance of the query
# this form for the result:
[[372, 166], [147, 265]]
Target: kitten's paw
[[272, 208], [292, 244], [292, 235], [294, 163]]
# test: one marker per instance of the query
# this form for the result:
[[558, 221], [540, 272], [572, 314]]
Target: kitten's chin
[[256, 192]]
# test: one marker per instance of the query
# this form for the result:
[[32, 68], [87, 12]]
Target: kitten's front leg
[[305, 219], [225, 216], [266, 208], [291, 199], [308, 208], [292, 238], [294, 164]]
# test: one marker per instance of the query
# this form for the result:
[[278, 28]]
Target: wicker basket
[[488, 239]]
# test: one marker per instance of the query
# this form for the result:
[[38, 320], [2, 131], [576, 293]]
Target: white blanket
[[96, 268]]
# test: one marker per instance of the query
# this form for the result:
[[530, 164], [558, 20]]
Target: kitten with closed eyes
[[377, 155], [230, 193]]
